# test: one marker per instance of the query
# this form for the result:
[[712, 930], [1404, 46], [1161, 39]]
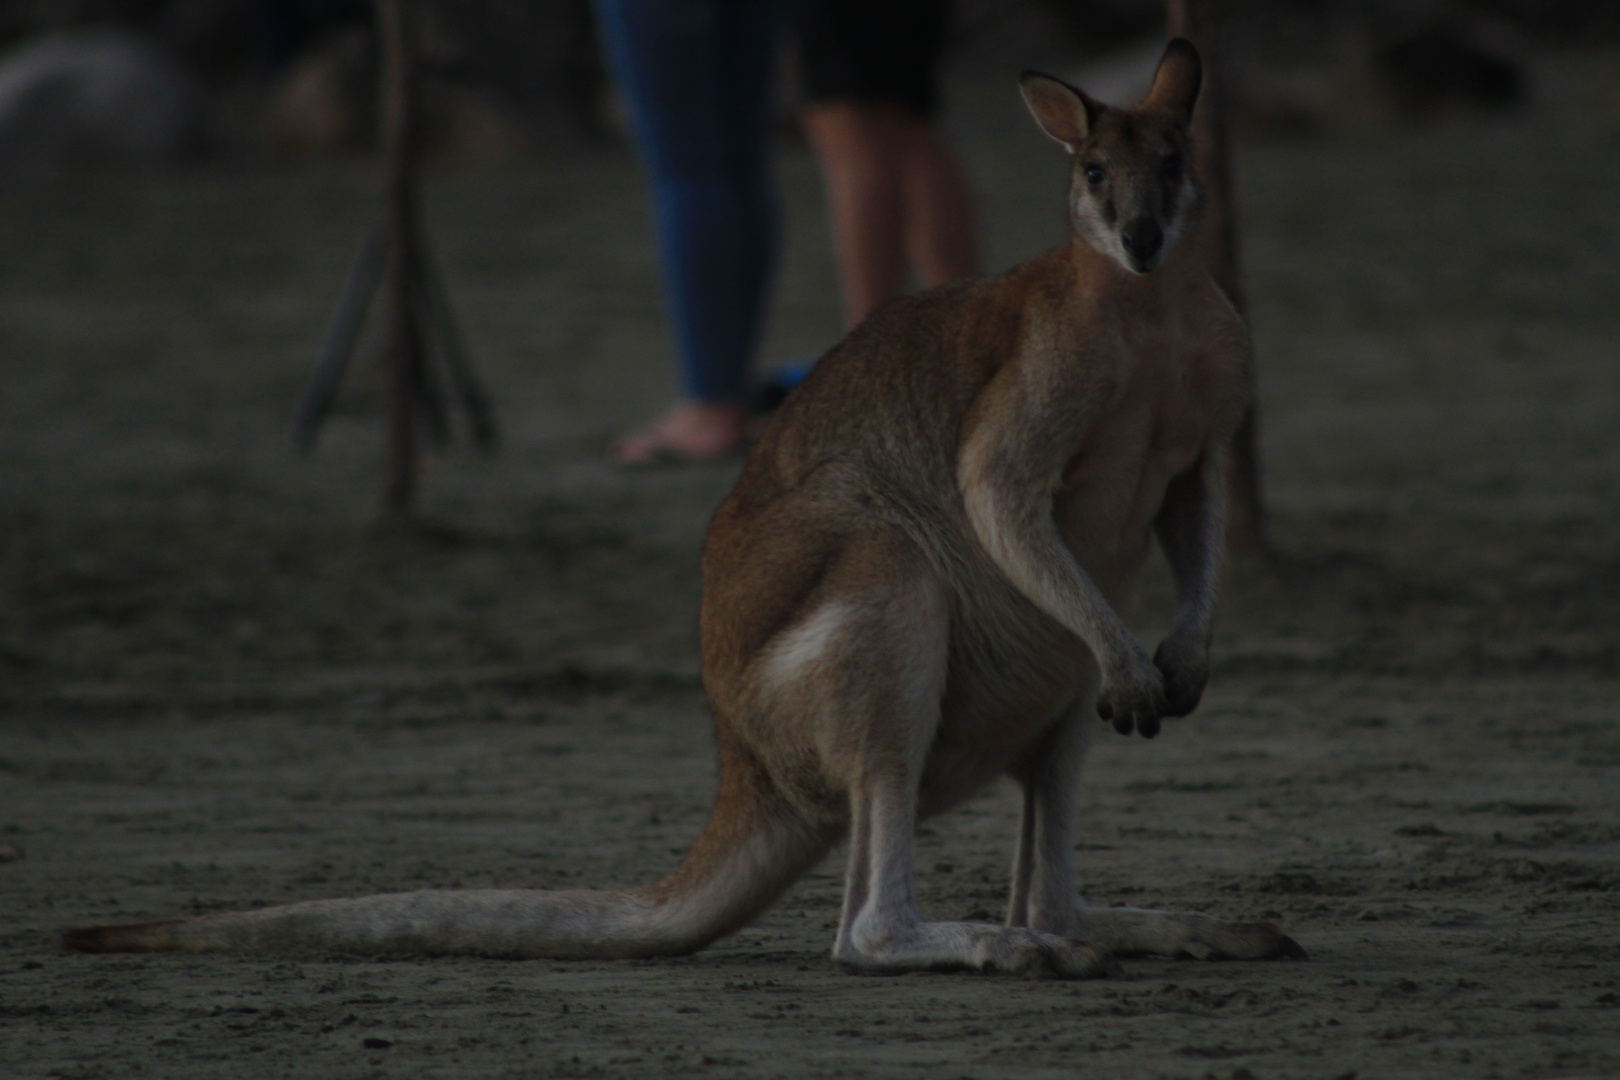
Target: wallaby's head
[[1133, 195]]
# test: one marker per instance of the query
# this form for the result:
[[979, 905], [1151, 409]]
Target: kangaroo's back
[[902, 601], [868, 441]]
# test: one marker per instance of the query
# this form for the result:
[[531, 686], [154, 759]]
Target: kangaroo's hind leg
[[880, 707], [1043, 892], [1044, 897]]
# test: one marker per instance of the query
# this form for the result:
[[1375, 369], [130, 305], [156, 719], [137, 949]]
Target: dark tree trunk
[[404, 355], [1199, 22]]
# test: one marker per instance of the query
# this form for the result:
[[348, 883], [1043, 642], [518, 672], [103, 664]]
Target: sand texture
[[219, 688]]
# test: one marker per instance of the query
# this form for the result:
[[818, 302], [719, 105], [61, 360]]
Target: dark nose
[[1143, 238]]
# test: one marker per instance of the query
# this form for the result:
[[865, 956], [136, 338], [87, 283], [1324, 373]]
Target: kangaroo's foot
[[1138, 932], [932, 946]]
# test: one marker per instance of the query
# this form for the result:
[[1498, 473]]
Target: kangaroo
[[912, 590]]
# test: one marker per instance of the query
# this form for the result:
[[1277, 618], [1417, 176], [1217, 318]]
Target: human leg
[[864, 202], [696, 75], [942, 231], [893, 186]]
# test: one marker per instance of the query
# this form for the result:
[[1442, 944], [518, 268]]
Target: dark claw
[[1148, 726], [1183, 701], [1122, 724], [1104, 709], [1182, 690], [1292, 950]]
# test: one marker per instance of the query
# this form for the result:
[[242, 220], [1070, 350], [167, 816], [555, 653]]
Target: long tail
[[754, 847]]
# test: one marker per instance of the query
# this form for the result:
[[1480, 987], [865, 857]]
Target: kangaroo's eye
[[1172, 167], [1094, 175]]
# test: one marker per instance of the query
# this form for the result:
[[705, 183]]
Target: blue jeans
[[697, 75]]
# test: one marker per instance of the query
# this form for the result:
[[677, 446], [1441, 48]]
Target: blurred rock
[[1449, 64], [1121, 78], [327, 99], [93, 98], [533, 67], [470, 122], [1260, 102], [1316, 70], [327, 102]]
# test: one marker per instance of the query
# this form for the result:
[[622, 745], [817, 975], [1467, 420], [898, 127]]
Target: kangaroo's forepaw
[[1186, 673], [1132, 697]]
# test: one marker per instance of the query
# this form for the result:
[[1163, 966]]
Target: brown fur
[[912, 590]]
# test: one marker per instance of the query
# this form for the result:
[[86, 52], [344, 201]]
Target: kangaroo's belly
[[1113, 487], [1012, 672]]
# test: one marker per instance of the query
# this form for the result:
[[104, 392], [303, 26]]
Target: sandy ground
[[219, 689]]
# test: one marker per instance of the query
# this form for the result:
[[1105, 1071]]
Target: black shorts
[[872, 51]]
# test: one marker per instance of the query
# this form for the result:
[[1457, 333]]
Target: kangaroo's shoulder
[[955, 335], [902, 379]]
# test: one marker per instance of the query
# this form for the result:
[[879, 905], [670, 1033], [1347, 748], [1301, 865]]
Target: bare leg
[[864, 195], [893, 189], [942, 232]]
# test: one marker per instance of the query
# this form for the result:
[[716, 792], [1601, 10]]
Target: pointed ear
[[1064, 113], [1175, 84]]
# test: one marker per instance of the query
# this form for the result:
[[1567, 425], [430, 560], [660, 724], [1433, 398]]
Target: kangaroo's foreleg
[[1010, 475], [1191, 527]]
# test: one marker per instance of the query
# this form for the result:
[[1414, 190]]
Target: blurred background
[[213, 78], [221, 685], [1428, 229]]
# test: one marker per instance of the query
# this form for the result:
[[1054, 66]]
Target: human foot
[[691, 431]]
